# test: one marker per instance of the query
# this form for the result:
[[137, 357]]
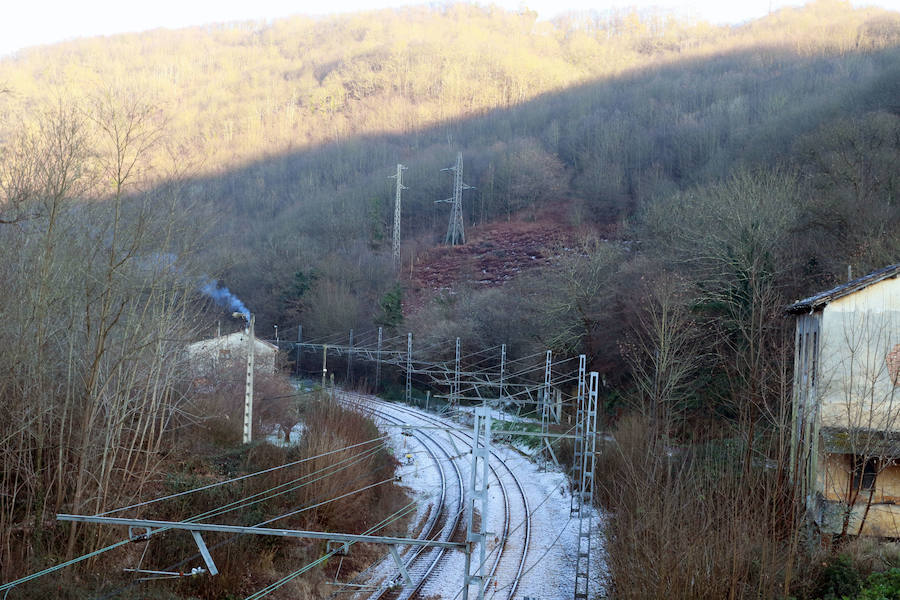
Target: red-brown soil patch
[[494, 253]]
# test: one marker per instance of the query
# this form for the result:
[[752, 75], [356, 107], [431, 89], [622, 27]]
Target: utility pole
[[378, 362], [545, 406], [545, 394], [324, 366], [350, 359], [395, 248], [456, 233], [248, 392], [408, 368], [577, 463], [454, 394], [586, 491], [299, 343], [502, 373]]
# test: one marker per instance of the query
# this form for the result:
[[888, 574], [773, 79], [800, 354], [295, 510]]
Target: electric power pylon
[[396, 240], [456, 233]]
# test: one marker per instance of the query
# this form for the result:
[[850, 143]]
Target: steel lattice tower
[[586, 490], [396, 240], [578, 462], [456, 233]]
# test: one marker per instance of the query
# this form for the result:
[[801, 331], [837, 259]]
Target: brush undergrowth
[[312, 500]]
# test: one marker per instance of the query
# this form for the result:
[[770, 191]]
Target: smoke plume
[[223, 297]]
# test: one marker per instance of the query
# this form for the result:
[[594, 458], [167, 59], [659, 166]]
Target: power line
[[256, 499], [219, 483], [231, 539], [8, 586], [12, 584], [384, 523]]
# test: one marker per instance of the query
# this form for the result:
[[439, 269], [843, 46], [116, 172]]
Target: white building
[[207, 356], [845, 434]]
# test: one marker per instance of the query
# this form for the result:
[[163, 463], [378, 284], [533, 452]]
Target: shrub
[[882, 586], [839, 579]]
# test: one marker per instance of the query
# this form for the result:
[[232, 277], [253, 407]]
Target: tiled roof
[[821, 299]]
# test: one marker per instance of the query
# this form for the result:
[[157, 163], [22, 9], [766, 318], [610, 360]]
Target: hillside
[[646, 191], [282, 136]]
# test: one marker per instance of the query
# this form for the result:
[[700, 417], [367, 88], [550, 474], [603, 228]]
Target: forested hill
[[649, 192], [287, 131]]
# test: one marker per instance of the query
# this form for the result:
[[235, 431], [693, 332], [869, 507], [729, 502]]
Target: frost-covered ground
[[276, 437], [549, 571]]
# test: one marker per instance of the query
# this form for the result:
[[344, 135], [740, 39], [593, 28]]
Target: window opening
[[865, 471]]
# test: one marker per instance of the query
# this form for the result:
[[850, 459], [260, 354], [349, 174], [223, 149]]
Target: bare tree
[[731, 240], [579, 291], [98, 303], [663, 350]]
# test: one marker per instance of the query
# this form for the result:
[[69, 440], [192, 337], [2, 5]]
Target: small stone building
[[845, 429], [226, 351]]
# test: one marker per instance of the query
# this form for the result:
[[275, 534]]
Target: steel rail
[[447, 531], [411, 554], [521, 493]]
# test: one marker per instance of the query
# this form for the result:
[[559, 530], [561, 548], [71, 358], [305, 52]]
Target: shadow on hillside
[[610, 144]]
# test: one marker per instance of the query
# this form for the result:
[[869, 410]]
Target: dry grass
[[691, 523], [249, 563], [219, 407]]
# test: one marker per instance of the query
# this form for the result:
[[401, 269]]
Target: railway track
[[443, 523], [507, 547]]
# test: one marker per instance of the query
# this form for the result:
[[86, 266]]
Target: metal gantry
[[586, 492], [578, 453], [142, 529], [545, 393], [395, 247], [456, 233], [454, 393], [476, 535], [546, 411]]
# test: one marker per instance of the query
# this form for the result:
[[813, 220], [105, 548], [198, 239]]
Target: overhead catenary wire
[[524, 523], [444, 369], [479, 378], [242, 477], [519, 526], [330, 500], [284, 580], [234, 537], [270, 493], [6, 587], [10, 585]]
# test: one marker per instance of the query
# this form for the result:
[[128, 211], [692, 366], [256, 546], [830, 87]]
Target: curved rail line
[[520, 566], [503, 554], [424, 561], [442, 524]]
